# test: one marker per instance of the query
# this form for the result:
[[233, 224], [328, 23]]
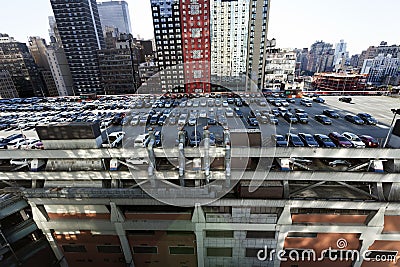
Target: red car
[[339, 140], [369, 141]]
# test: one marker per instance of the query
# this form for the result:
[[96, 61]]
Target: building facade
[[116, 70], [382, 70], [79, 26], [168, 39], [7, 87], [115, 14], [280, 69], [374, 51], [16, 59], [38, 49], [320, 57], [229, 37]]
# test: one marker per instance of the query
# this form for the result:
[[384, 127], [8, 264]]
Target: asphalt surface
[[377, 106]]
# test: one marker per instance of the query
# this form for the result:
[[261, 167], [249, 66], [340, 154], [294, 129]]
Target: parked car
[[114, 139], [319, 100], [294, 140], [306, 102], [291, 100], [339, 140], [195, 139], [289, 117], [16, 143], [252, 121], [157, 137], [302, 117], [239, 113], [331, 113], [341, 162], [279, 140], [345, 99], [323, 119], [275, 112], [354, 139], [367, 118], [19, 162], [8, 139], [299, 110], [369, 141], [308, 140], [272, 119], [323, 140], [354, 119], [32, 144]]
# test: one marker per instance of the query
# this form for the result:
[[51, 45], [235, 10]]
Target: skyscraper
[[16, 59], [78, 24], [115, 14], [218, 41]]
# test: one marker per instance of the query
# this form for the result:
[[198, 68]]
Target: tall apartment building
[[115, 14], [374, 51], [117, 73], [218, 41], [58, 61], [168, 39], [320, 57], [341, 55], [7, 87], [79, 26], [280, 68], [38, 49], [16, 59], [382, 69]]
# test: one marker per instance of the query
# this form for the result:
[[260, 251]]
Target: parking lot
[[19, 119]]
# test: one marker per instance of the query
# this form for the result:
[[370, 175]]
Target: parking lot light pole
[[395, 112]]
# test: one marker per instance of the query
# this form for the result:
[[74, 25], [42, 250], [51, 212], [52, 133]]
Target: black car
[[308, 140], [275, 112], [252, 121], [324, 140], [354, 119], [345, 99], [161, 120], [239, 113], [323, 119], [279, 140], [331, 113], [367, 118], [289, 117], [294, 140], [302, 117], [319, 100]]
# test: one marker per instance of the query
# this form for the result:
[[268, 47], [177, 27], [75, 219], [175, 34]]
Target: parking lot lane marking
[[382, 126]]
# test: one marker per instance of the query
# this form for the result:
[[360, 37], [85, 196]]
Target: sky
[[293, 23]]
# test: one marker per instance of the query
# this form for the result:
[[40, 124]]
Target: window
[[109, 249], [181, 250], [301, 235], [145, 250], [219, 234], [74, 248], [219, 252], [261, 234]]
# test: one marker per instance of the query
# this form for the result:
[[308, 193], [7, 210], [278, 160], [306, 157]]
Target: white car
[[114, 139], [137, 161], [229, 112], [16, 143], [203, 113], [306, 102], [354, 139], [31, 144], [135, 120], [225, 104], [182, 119], [19, 162], [140, 141]]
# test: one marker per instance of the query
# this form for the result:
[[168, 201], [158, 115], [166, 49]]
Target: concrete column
[[199, 220], [375, 227], [118, 218], [40, 220], [282, 231]]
